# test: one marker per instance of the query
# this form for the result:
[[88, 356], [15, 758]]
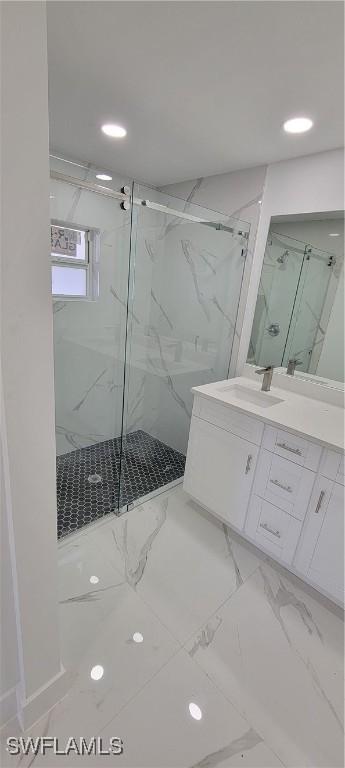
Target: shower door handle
[[249, 463], [319, 503]]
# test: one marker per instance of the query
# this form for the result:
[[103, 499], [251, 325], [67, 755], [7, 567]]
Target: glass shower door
[[280, 276], [186, 270], [295, 296], [90, 237], [311, 309]]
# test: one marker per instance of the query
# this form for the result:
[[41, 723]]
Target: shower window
[[74, 257]]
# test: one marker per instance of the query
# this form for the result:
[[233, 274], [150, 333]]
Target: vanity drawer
[[272, 529], [333, 466], [229, 419], [284, 484], [291, 447]]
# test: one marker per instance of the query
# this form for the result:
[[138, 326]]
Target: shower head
[[283, 257]]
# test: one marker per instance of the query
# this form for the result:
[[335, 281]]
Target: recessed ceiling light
[[94, 579], [115, 131], [333, 234], [298, 125], [97, 672], [103, 177], [138, 637], [195, 711]]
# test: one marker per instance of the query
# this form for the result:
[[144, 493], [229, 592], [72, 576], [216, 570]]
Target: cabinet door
[[321, 553], [219, 471], [333, 466]]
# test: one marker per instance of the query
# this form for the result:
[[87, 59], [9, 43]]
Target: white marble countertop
[[302, 415]]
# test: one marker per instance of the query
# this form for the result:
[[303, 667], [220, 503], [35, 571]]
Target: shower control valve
[[273, 329]]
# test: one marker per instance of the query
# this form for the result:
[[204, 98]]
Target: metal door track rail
[[125, 199]]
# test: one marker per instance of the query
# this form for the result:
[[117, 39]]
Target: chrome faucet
[[267, 379], [292, 365]]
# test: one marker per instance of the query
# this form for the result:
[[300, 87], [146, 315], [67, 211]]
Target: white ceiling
[[202, 87]]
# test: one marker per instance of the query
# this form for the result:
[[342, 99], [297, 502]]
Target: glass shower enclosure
[[159, 318]]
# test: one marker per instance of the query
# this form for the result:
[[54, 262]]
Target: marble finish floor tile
[[221, 627], [90, 589], [131, 647], [277, 654], [158, 730], [182, 562]]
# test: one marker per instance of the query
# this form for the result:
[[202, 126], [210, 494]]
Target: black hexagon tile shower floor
[[88, 478]]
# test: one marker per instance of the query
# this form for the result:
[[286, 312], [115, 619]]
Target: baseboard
[[33, 708], [8, 706]]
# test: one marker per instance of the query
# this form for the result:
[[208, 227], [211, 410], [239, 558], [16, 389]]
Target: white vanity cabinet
[[284, 492], [219, 470]]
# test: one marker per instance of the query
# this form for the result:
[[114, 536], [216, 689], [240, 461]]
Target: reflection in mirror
[[299, 312]]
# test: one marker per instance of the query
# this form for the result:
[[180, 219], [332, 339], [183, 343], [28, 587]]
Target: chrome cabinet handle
[[280, 485], [249, 463], [286, 447], [319, 503], [270, 530]]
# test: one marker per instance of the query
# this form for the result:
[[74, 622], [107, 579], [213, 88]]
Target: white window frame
[[90, 265]]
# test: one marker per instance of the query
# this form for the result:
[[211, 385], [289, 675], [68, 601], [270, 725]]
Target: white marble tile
[[122, 665], [263, 656], [90, 588], [158, 730], [277, 654], [181, 561]]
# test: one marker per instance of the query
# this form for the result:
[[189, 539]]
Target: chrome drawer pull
[[249, 463], [267, 528], [286, 447], [319, 503], [280, 485]]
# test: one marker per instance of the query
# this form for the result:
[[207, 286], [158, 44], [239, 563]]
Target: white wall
[[9, 665], [312, 184], [27, 359]]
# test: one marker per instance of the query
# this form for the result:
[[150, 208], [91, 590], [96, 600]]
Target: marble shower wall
[[236, 194], [195, 275], [89, 336]]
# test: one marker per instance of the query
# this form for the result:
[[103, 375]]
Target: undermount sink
[[249, 395]]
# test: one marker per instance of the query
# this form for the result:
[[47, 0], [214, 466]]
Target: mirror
[[299, 311]]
